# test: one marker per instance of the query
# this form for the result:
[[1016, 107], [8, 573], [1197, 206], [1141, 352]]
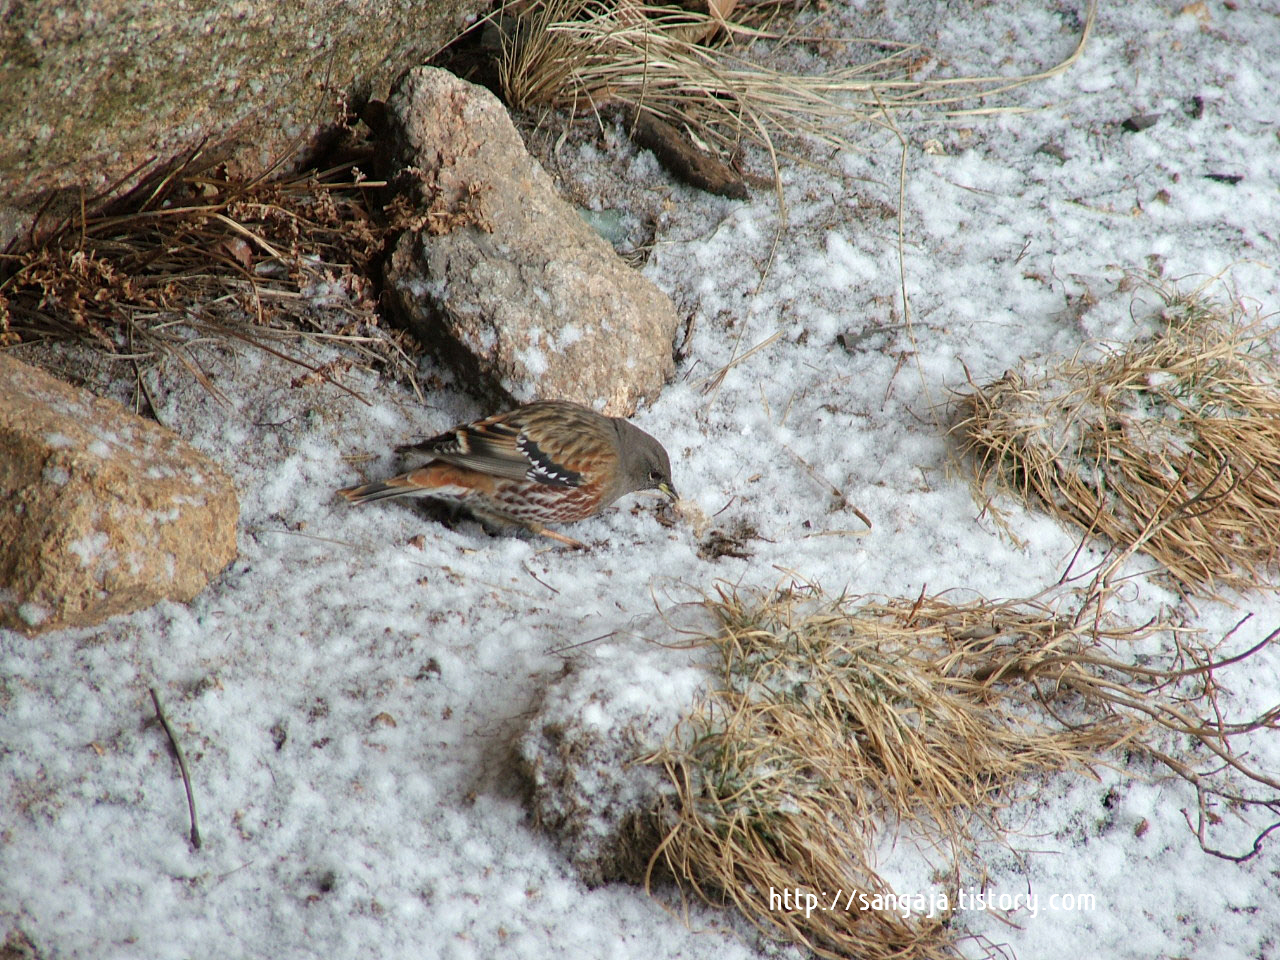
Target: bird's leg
[[568, 541]]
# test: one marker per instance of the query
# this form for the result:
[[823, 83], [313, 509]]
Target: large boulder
[[92, 89], [101, 512], [507, 275]]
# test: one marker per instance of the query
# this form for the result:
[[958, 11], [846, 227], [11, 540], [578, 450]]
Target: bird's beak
[[668, 490]]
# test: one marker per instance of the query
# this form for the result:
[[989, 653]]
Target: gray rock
[[101, 512], [523, 293], [586, 786], [90, 89], [583, 755]]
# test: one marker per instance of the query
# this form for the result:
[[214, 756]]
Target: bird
[[550, 461]]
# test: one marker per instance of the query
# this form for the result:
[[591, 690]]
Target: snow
[[57, 476], [349, 701], [89, 547]]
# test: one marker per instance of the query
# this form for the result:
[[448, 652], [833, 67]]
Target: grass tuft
[[706, 72], [195, 257], [835, 722], [1169, 445]]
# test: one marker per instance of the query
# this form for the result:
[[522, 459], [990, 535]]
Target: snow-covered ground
[[349, 699]]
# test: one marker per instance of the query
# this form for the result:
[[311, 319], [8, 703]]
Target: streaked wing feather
[[544, 469], [490, 446], [500, 447]]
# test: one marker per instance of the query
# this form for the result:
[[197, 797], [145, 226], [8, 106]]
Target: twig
[[182, 765], [1198, 829], [706, 384], [580, 643], [540, 580]]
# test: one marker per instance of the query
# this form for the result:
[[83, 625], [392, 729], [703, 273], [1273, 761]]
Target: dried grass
[[834, 721], [194, 257], [699, 71], [1169, 445]]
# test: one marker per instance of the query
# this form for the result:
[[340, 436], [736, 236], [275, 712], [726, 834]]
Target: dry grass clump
[[1169, 445], [699, 71], [194, 256], [834, 721]]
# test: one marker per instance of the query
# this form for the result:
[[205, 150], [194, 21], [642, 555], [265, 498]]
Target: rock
[[582, 754], [580, 762], [1140, 121], [520, 291], [101, 512], [91, 89]]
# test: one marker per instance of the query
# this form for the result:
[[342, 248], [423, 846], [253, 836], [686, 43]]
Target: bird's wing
[[502, 446]]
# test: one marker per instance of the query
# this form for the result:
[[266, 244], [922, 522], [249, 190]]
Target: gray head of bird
[[644, 462]]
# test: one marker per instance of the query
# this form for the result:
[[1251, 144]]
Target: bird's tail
[[433, 480], [375, 491], [405, 485]]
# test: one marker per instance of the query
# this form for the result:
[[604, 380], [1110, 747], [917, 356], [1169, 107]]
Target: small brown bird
[[546, 462]]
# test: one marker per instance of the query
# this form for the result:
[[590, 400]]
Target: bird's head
[[645, 464]]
